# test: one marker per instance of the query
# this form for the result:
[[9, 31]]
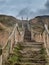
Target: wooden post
[[47, 41], [44, 39], [0, 59], [12, 43], [45, 45], [40, 37]]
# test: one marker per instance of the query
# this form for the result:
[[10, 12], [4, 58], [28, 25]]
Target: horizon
[[24, 18]]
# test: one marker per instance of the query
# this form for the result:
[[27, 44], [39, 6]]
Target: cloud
[[44, 11], [26, 12], [30, 10], [47, 4]]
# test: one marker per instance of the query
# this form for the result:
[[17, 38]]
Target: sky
[[24, 8]]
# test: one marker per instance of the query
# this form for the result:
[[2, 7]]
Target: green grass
[[15, 57]]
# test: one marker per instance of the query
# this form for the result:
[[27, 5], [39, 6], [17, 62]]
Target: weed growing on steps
[[15, 56]]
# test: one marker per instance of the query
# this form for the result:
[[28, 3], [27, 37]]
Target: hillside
[[7, 24], [38, 23], [8, 20]]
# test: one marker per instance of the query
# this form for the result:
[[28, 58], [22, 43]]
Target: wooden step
[[25, 51], [32, 60], [32, 55], [28, 63], [29, 52], [31, 43], [33, 46]]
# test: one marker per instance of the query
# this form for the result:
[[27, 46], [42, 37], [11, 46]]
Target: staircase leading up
[[31, 54], [28, 52], [27, 34]]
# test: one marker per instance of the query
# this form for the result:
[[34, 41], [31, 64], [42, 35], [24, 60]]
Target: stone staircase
[[31, 54]]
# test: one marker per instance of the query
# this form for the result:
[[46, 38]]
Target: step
[[31, 55], [36, 58], [34, 43], [32, 60], [30, 47], [34, 46], [30, 44], [33, 52], [25, 51], [28, 63]]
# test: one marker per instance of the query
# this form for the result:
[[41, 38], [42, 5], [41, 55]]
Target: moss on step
[[15, 57]]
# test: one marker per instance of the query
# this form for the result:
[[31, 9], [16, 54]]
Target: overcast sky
[[25, 8]]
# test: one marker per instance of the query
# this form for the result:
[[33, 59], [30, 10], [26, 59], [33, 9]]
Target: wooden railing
[[45, 44], [7, 47]]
